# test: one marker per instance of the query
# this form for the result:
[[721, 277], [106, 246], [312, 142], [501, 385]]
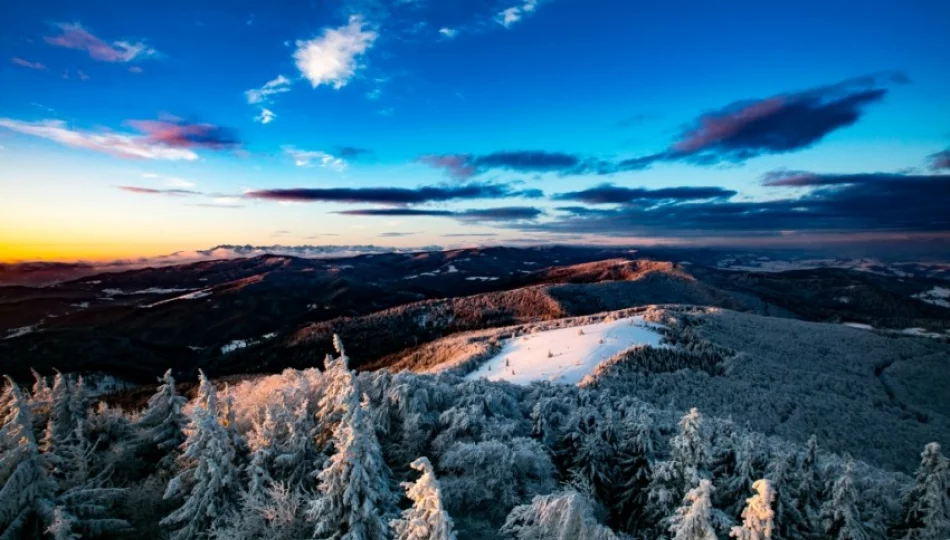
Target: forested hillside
[[320, 454]]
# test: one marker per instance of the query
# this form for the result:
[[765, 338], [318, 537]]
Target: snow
[[22, 331], [190, 296], [574, 354], [80, 305], [858, 325], [150, 290], [241, 343], [481, 278], [451, 269], [938, 296]]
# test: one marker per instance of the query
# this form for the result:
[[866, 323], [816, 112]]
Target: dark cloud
[[940, 161], [395, 234], [735, 133], [395, 196], [352, 152], [179, 133], [852, 203], [611, 194], [504, 213], [151, 191]]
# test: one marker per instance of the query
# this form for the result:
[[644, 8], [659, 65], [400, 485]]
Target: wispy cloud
[[310, 158], [448, 33], [170, 181], [611, 194], [393, 196], [498, 214], [940, 161], [27, 64], [266, 116], [170, 139], [332, 58], [74, 36], [152, 191], [279, 85], [508, 17]]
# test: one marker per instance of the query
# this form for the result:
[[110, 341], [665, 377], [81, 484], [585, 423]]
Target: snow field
[[565, 355]]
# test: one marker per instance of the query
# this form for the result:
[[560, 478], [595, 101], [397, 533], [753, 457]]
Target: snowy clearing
[[481, 278], [860, 326], [565, 355], [22, 331], [938, 296], [190, 296], [241, 343]]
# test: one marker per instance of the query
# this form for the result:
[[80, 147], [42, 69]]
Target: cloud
[[74, 36], [469, 235], [266, 116], [178, 133], [940, 160], [82, 75], [331, 58], [395, 234], [352, 151], [504, 213], [391, 195], [152, 191], [611, 194], [171, 181], [837, 203], [508, 17], [136, 69], [263, 94], [27, 64], [735, 133], [306, 158], [118, 144], [448, 33]]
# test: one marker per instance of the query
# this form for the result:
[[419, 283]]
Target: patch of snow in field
[[858, 325], [190, 296], [843, 299], [480, 278], [80, 305], [451, 269], [241, 343], [938, 296], [921, 332], [574, 352], [21, 331]]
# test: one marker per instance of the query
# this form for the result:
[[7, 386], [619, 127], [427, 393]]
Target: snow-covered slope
[[565, 355]]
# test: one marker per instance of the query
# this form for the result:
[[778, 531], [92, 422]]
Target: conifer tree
[[209, 474], [427, 519], [696, 519], [840, 515], [926, 506], [163, 423], [687, 465], [758, 518], [567, 515]]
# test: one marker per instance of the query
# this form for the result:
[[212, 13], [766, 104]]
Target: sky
[[139, 129]]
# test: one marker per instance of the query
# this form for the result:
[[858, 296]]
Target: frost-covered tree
[[40, 398], [567, 515], [758, 518], [840, 515], [810, 489], [209, 477], [64, 411], [296, 455], [163, 423], [27, 498], [687, 465], [427, 519], [926, 506], [781, 473], [354, 493], [744, 469], [697, 519], [633, 472]]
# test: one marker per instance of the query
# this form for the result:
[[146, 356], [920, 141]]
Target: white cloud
[[266, 117], [276, 86], [331, 59], [119, 144], [448, 32], [170, 181], [514, 14], [308, 158]]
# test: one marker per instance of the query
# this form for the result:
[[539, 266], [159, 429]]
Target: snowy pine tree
[[209, 475], [354, 487], [687, 465], [840, 515], [696, 519], [926, 506], [427, 519], [163, 423], [758, 518], [567, 515], [27, 496], [781, 473]]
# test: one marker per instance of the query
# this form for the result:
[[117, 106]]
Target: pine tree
[[687, 465], [63, 415], [790, 524], [567, 515], [840, 515], [427, 519], [696, 519], [27, 498], [163, 423], [296, 456], [745, 470], [810, 488], [209, 474], [354, 487], [758, 518], [926, 506]]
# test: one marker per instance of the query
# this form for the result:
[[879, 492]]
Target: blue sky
[[138, 129]]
